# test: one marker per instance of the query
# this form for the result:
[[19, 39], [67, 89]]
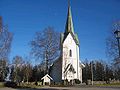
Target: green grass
[[28, 86], [111, 84], [1, 84], [21, 86]]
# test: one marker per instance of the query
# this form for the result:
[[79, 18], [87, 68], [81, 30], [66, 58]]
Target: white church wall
[[78, 61], [80, 74], [69, 44]]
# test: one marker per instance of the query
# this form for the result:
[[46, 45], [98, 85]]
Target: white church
[[68, 65]]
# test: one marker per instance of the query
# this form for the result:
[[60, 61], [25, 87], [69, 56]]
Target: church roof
[[69, 23], [69, 28], [47, 77], [63, 36], [81, 65]]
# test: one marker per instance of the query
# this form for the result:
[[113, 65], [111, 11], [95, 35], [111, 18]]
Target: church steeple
[[69, 27], [69, 23]]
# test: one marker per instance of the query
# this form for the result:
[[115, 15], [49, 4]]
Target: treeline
[[21, 70], [100, 71]]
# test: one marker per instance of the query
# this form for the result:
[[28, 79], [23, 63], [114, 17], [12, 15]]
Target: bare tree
[[5, 45], [45, 45], [112, 44], [5, 40], [27, 71], [3, 69], [38, 72], [16, 74]]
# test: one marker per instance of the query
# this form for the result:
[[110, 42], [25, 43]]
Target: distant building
[[46, 79], [68, 65]]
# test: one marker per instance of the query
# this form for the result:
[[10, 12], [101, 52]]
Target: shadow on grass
[[40, 88]]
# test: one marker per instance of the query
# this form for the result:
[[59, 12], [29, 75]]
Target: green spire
[[69, 23]]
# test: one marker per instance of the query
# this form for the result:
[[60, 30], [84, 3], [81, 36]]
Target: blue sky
[[92, 22]]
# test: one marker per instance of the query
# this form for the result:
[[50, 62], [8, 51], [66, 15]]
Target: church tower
[[71, 66], [68, 65]]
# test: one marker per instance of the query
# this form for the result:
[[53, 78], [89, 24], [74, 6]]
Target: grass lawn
[[21, 86], [111, 84], [28, 86], [1, 84]]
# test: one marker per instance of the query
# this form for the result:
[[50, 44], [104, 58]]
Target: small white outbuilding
[[46, 79]]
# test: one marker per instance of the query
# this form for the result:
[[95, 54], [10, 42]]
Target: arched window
[[70, 53]]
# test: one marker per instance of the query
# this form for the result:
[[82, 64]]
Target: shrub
[[10, 84], [77, 81]]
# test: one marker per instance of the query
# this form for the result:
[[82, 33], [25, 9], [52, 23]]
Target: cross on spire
[[68, 3]]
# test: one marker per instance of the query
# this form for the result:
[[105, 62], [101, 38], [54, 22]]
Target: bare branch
[[112, 44], [5, 40], [45, 45]]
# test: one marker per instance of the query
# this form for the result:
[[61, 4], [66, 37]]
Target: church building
[[68, 65]]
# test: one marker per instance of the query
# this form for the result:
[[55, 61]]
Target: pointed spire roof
[[69, 23], [69, 27]]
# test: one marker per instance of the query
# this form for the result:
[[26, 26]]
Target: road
[[67, 88]]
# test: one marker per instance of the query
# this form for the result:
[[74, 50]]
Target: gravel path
[[68, 88]]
